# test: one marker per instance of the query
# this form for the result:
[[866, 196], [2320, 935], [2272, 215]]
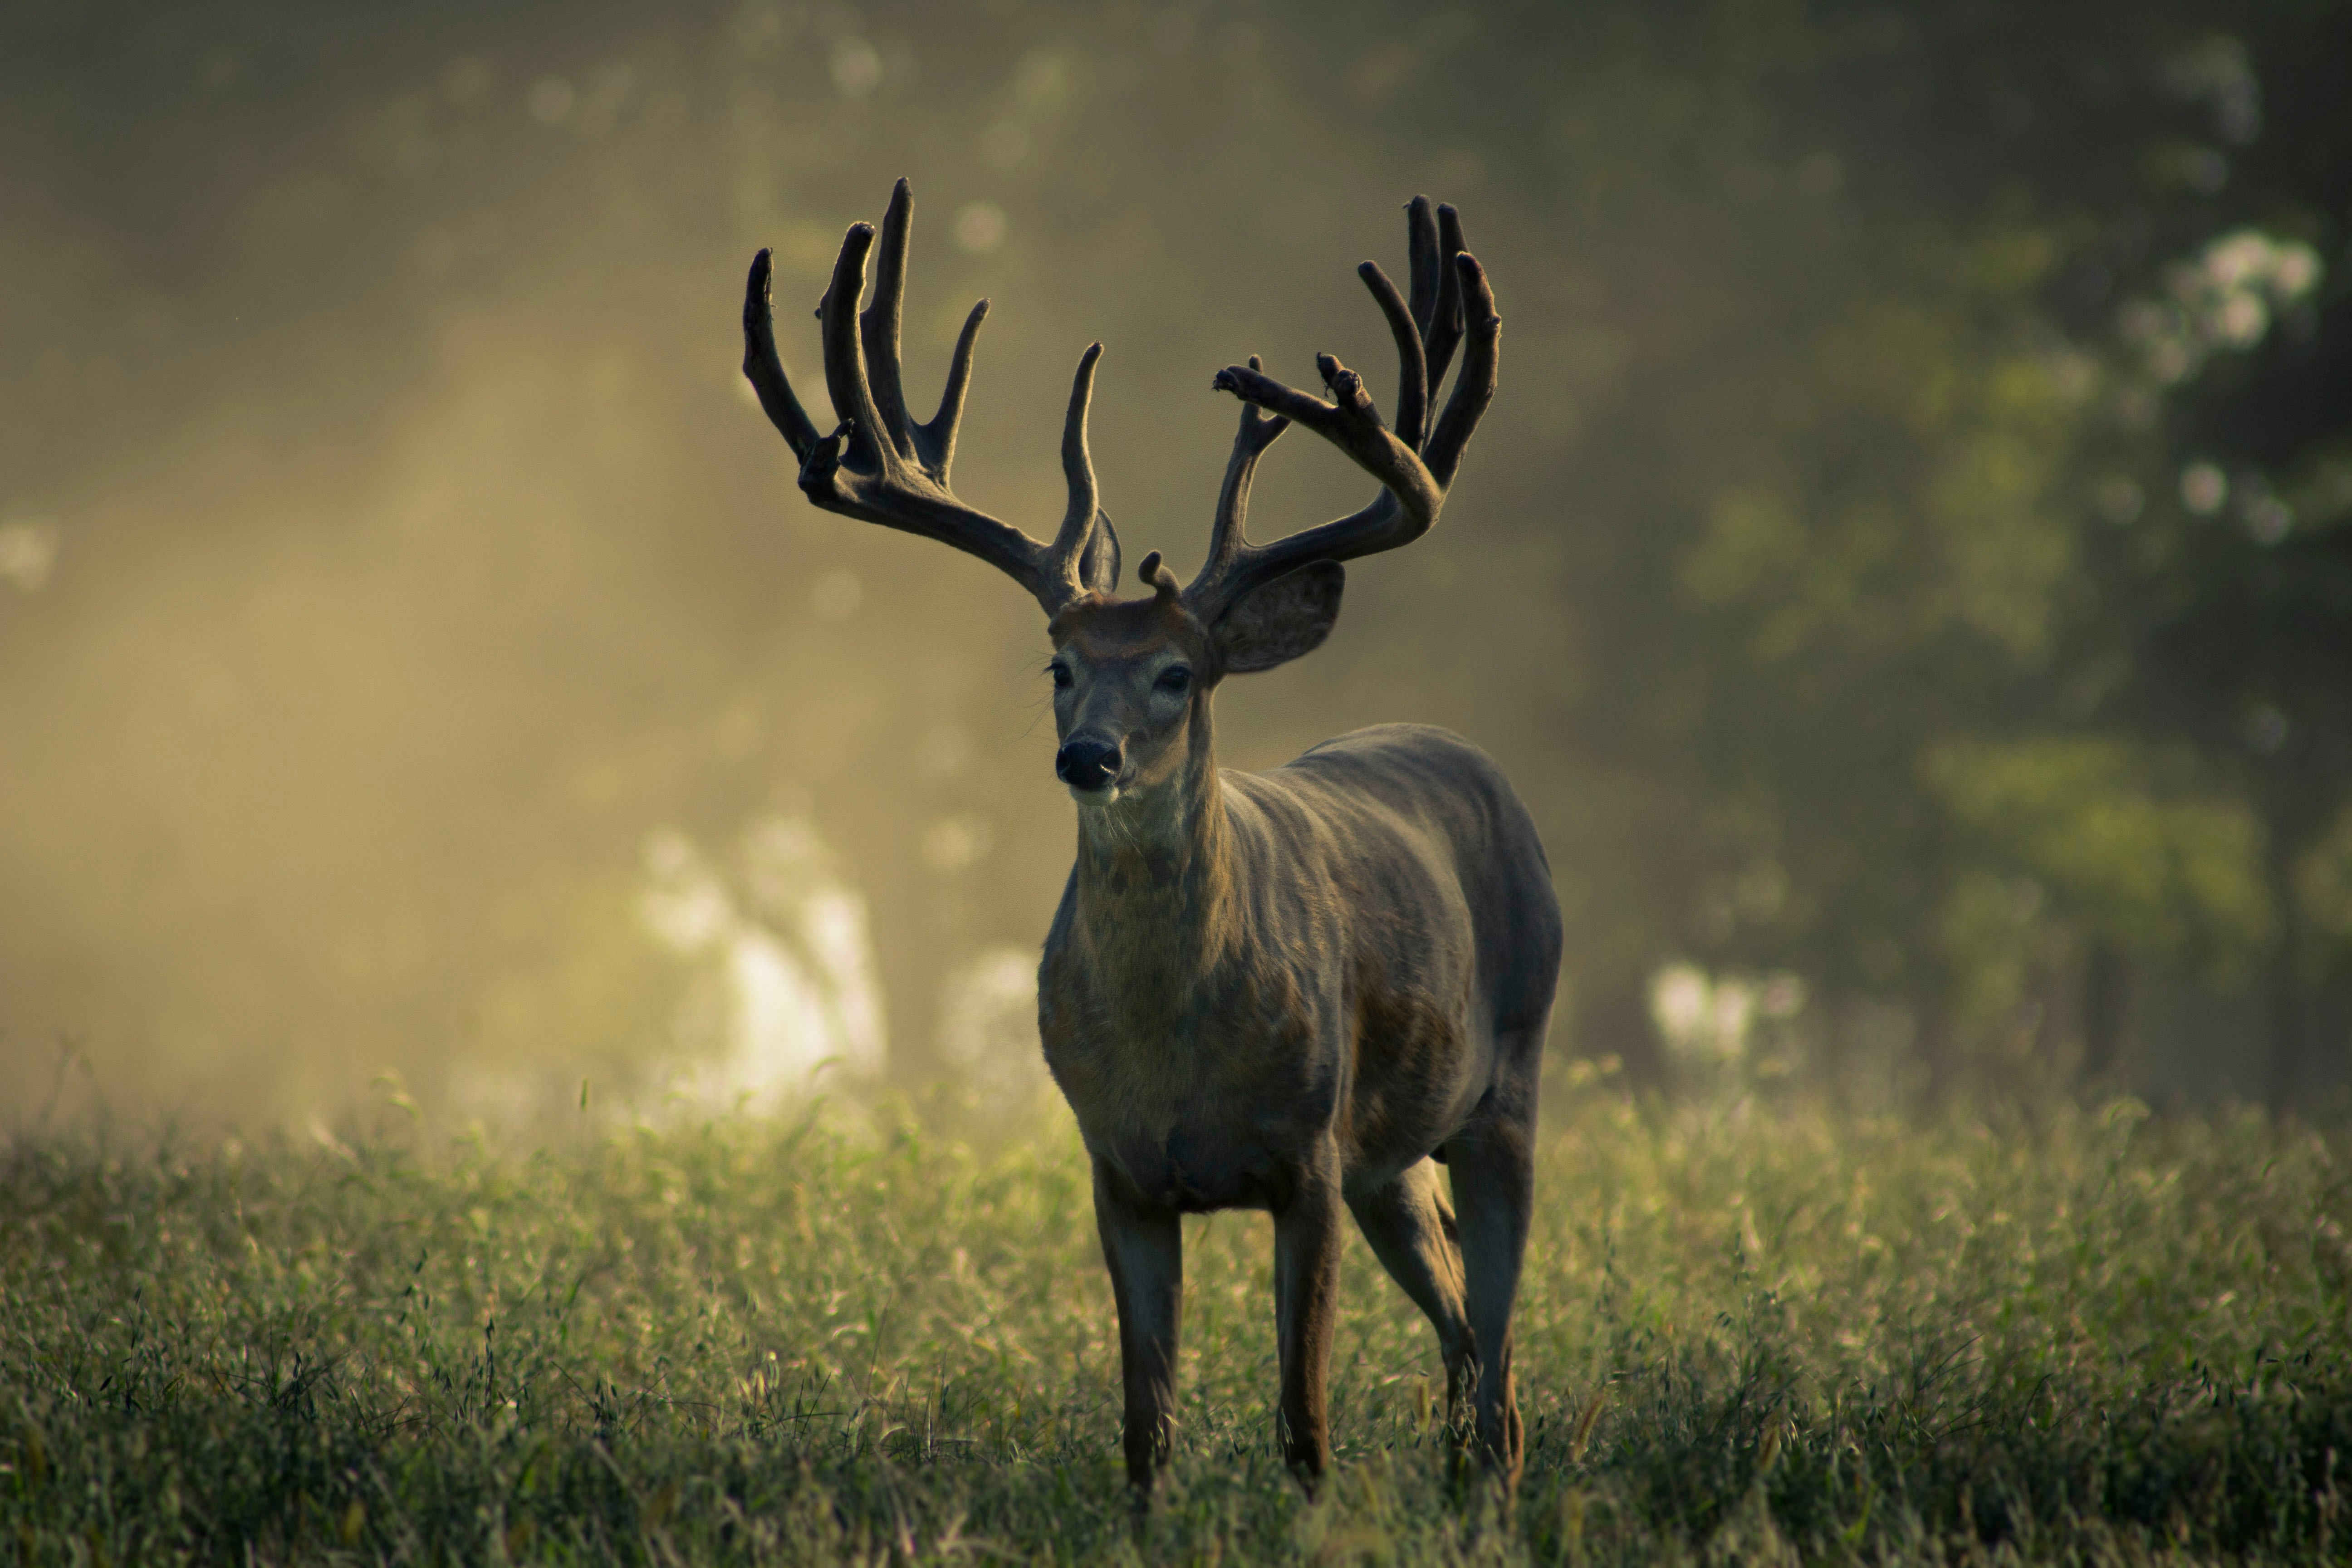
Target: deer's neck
[[1155, 885]]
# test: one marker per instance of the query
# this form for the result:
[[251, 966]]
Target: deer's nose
[[1086, 763]]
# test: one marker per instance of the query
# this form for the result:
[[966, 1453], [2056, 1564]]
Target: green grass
[[1748, 1332]]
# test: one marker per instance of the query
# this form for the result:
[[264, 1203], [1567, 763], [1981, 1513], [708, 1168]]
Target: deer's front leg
[[1143, 1244], [1307, 1240]]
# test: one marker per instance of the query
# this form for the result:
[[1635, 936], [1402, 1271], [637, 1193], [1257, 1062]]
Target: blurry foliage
[[2171, 876], [1906, 552]]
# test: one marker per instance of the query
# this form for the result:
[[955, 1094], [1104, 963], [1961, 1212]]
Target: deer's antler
[[1451, 300], [879, 465]]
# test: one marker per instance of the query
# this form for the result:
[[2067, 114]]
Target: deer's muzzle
[[1087, 764]]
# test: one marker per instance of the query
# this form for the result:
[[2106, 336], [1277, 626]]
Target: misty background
[[1904, 569]]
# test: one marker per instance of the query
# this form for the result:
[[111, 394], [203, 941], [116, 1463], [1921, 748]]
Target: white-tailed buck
[[1295, 991]]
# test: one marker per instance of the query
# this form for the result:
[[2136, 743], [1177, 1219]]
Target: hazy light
[[2294, 270], [988, 1023], [794, 986], [762, 25], [835, 595], [2241, 320], [685, 905], [1712, 1019], [1043, 81], [1678, 1000], [944, 751], [610, 86], [979, 227], [2269, 520], [2203, 488], [2121, 501], [857, 68], [1004, 145], [952, 844], [780, 1028], [1780, 996], [28, 552], [464, 78], [2170, 360], [2224, 299], [549, 99]]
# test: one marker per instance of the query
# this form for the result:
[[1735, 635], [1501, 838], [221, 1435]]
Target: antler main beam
[[1448, 303], [879, 465]]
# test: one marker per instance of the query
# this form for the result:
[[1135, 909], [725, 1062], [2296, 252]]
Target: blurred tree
[[2237, 607], [1905, 602], [1823, 468]]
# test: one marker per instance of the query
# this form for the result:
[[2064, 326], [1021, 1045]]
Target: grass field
[[1749, 1333]]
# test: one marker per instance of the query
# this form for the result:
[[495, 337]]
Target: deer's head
[[1132, 677]]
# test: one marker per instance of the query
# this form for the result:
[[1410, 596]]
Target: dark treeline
[[1905, 569]]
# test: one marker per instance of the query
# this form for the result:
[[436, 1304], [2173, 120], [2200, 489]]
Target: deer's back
[[1423, 841]]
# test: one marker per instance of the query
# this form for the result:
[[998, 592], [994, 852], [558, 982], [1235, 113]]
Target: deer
[[1299, 991]]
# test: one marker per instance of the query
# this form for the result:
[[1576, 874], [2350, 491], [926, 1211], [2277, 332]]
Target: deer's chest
[[1198, 1117]]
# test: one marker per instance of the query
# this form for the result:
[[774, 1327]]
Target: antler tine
[[762, 366], [936, 441], [1443, 333], [1228, 531], [1422, 252], [1473, 389], [1412, 371], [845, 362], [878, 324], [1078, 473]]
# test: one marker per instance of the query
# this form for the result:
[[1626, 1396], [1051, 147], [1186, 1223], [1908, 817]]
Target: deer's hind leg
[[1492, 1163], [1411, 1227]]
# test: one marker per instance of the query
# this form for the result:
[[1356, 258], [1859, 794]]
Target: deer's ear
[[1278, 621]]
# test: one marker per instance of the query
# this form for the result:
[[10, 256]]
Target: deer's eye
[[1061, 674], [1175, 679]]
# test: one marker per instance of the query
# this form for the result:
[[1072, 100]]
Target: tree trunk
[[2106, 1012]]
